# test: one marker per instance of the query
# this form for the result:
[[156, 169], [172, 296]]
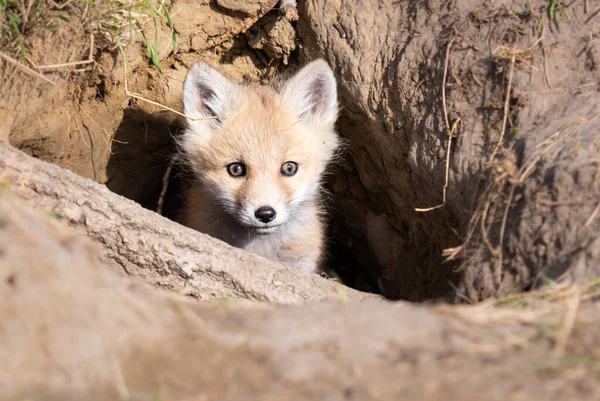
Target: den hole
[[144, 144]]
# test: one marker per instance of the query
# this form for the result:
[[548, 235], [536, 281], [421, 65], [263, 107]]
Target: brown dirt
[[71, 328], [138, 242], [512, 216], [92, 334], [87, 122]]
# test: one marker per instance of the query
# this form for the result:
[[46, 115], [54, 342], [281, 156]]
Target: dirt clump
[[470, 170], [99, 336]]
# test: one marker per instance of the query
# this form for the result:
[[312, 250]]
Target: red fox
[[258, 165]]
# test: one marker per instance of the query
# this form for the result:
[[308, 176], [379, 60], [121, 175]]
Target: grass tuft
[[113, 24]]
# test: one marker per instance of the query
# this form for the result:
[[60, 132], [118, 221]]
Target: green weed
[[155, 12], [113, 22]]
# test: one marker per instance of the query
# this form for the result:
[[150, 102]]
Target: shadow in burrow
[[143, 146]]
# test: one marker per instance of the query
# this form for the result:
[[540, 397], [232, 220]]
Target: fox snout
[[262, 204], [259, 154], [265, 214]]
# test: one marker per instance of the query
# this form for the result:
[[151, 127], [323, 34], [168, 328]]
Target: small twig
[[506, 106], [444, 84], [451, 253], [535, 43], [447, 172], [89, 60], [484, 235], [165, 182], [55, 66], [448, 147], [25, 68], [450, 133], [139, 97], [498, 271], [546, 74], [592, 16], [593, 215], [91, 55], [477, 81], [450, 130], [428, 209]]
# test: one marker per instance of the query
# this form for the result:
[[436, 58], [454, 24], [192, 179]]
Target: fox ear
[[312, 94], [207, 93]]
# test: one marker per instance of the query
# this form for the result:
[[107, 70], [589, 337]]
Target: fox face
[[261, 157]]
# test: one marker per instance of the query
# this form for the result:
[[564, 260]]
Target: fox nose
[[265, 214]]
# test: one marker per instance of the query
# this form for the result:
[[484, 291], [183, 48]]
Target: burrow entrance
[[144, 144], [141, 154]]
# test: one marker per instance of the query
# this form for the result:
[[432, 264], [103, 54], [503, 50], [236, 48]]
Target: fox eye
[[236, 170], [289, 169]]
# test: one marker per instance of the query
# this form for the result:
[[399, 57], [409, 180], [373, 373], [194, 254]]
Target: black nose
[[265, 214]]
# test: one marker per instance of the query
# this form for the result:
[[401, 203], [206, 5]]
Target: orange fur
[[261, 128]]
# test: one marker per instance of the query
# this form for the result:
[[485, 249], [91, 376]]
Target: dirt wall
[[515, 89], [504, 82], [72, 329]]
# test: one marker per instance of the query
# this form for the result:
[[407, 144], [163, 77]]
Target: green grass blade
[[553, 7], [151, 49], [15, 21], [2, 8]]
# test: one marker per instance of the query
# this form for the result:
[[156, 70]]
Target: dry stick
[[444, 84], [165, 182], [506, 106], [593, 15], [91, 55], [25, 68], [498, 272], [484, 234], [75, 63], [450, 132], [54, 66], [593, 215], [139, 97]]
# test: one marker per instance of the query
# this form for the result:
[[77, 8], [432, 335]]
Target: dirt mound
[[138, 242], [489, 109], [509, 201], [98, 336]]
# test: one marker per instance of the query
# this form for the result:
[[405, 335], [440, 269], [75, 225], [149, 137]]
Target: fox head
[[263, 155]]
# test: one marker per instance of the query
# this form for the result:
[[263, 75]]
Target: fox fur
[[261, 135]]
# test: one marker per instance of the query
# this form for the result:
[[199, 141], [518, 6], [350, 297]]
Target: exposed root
[[450, 132], [506, 106], [500, 251]]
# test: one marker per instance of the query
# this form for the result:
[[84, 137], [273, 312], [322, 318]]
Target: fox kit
[[258, 165]]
